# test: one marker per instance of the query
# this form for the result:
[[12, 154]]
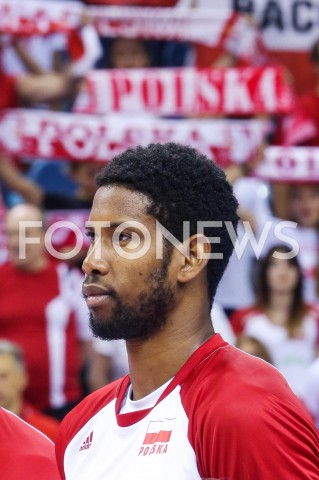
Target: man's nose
[[93, 263]]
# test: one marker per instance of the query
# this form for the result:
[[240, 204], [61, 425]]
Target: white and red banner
[[21, 17], [52, 135], [290, 164], [290, 25], [62, 136], [187, 91], [31, 17], [204, 26]]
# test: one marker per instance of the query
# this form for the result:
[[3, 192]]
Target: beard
[[129, 322]]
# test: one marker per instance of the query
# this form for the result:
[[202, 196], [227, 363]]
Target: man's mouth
[[95, 295]]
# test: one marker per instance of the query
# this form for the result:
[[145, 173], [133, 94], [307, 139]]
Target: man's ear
[[197, 252]]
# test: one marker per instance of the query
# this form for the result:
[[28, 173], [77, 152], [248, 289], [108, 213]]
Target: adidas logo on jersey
[[87, 442]]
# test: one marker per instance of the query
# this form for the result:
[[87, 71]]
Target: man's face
[[129, 53], [127, 297], [12, 381], [14, 237]]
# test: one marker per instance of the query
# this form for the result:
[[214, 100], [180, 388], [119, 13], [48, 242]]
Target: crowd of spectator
[[265, 305]]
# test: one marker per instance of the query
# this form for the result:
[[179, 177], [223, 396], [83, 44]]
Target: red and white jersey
[[40, 312], [214, 420], [25, 452]]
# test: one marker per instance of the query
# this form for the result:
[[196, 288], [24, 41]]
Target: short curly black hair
[[181, 185]]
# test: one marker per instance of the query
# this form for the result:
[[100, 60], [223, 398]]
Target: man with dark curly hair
[[162, 228]]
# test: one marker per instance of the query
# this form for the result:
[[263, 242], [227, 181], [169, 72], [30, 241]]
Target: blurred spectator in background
[[80, 198], [301, 127], [25, 452], [236, 290], [37, 85], [241, 43], [298, 203], [280, 319], [13, 382], [31, 80], [123, 52], [31, 54], [129, 53], [40, 310], [310, 102], [137, 52], [82, 173], [33, 88], [263, 204], [254, 347]]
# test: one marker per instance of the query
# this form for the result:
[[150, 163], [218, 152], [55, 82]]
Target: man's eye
[[91, 235], [124, 237]]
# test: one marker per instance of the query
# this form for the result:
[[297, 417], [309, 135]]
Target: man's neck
[[154, 361], [15, 406]]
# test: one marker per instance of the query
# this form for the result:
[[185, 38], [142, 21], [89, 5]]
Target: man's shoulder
[[238, 389], [235, 395], [230, 374], [236, 402]]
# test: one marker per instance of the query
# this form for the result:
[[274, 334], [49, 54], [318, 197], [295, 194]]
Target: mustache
[[95, 280]]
